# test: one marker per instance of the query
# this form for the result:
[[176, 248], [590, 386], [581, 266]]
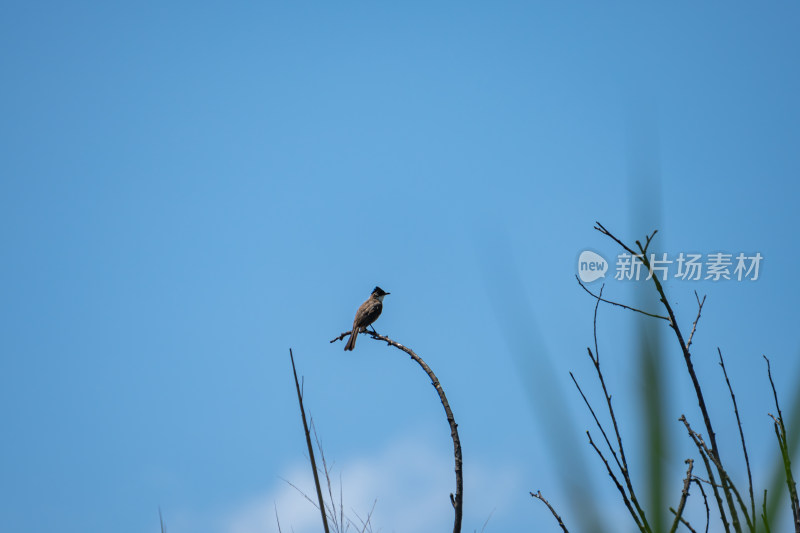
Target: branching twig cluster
[[626, 491], [642, 256], [729, 501]]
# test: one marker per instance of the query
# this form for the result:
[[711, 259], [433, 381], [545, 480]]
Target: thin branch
[[342, 336], [597, 422], [741, 436], [457, 499], [278, 520], [696, 320], [620, 460], [617, 303], [705, 501], [539, 496], [310, 447], [682, 520], [698, 442], [594, 326], [366, 523], [369, 517], [780, 431], [781, 436], [687, 356], [599, 227], [727, 486], [303, 494], [673, 323], [684, 496], [487, 520], [617, 483], [330, 508], [729, 483], [647, 244], [772, 384], [341, 500], [624, 466]]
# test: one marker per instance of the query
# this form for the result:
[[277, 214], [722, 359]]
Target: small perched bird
[[366, 315]]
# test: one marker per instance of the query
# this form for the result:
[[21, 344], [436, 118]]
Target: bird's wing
[[368, 313]]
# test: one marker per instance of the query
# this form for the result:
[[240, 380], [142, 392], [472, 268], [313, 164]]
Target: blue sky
[[188, 189]]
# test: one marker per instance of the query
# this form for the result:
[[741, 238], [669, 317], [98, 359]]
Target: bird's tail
[[351, 342]]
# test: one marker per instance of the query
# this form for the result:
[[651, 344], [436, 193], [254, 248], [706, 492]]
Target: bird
[[367, 313]]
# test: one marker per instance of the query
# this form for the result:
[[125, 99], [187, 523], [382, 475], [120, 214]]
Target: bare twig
[[310, 447], [594, 327], [457, 499], [696, 320], [487, 520], [278, 520], [342, 336], [619, 304], [161, 521], [622, 464], [687, 356], [741, 436], [599, 227], [780, 432], [684, 495], [303, 494], [539, 496], [682, 520], [730, 491], [705, 501], [707, 461], [366, 523], [330, 508], [618, 484], [673, 323], [343, 522], [772, 384], [341, 499], [597, 422], [647, 244]]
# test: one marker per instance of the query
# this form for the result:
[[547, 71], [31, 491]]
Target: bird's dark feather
[[368, 313]]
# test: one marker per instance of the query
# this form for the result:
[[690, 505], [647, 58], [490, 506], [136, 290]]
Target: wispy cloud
[[407, 481]]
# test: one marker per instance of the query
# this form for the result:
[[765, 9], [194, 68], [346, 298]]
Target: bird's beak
[[387, 293]]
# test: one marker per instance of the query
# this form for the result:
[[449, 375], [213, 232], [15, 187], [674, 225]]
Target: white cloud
[[408, 482]]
